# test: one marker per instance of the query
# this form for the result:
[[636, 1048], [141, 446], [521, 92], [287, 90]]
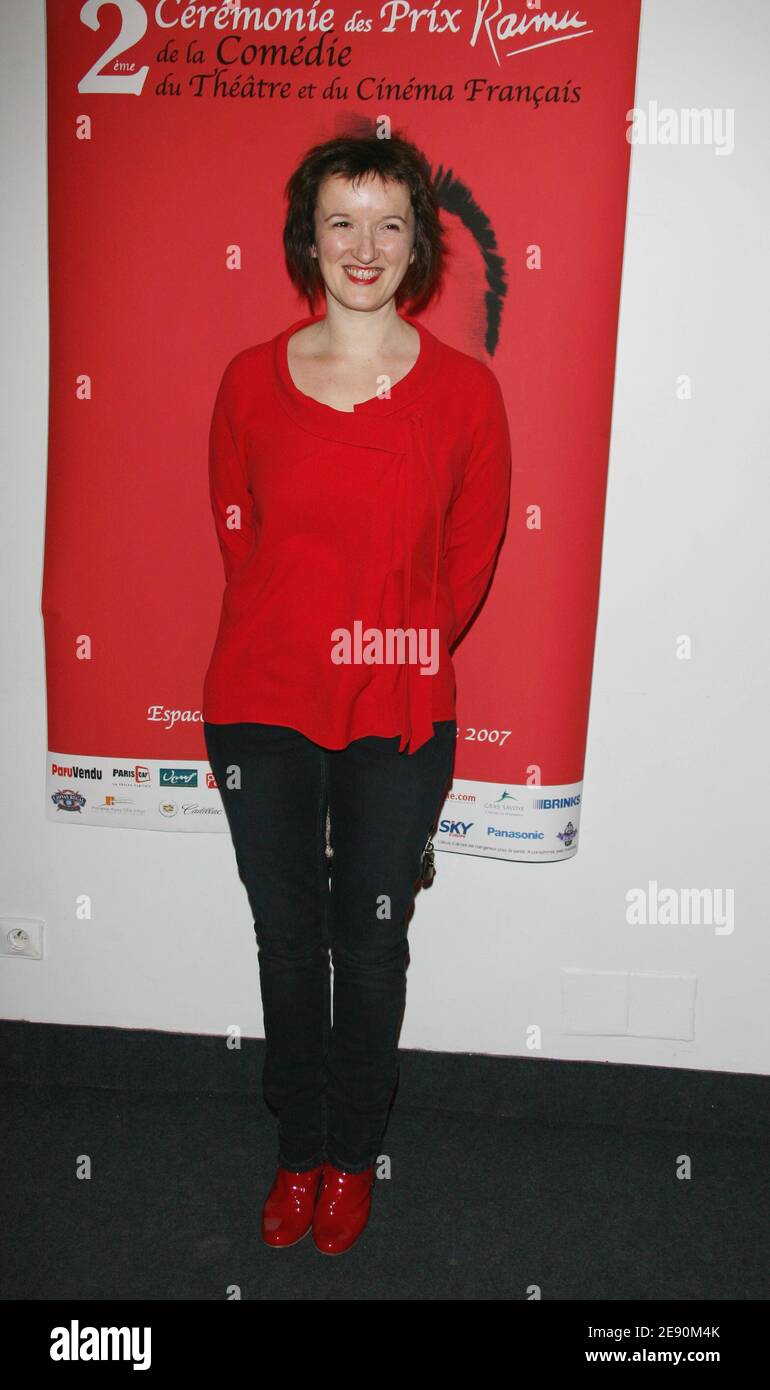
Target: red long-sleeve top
[[387, 517]]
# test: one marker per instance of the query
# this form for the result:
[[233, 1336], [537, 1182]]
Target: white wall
[[674, 777]]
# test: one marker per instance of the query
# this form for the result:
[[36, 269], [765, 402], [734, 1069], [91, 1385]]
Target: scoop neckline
[[402, 393]]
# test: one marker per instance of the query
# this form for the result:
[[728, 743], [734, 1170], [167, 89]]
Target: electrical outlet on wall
[[21, 936]]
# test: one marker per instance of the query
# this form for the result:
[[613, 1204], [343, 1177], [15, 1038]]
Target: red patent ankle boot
[[288, 1211], [342, 1209]]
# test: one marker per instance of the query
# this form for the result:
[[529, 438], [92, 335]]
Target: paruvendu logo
[[378, 646], [76, 1343]]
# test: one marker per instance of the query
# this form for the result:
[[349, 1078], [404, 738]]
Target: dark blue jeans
[[330, 1075]]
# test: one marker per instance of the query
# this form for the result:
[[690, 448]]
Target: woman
[[360, 476]]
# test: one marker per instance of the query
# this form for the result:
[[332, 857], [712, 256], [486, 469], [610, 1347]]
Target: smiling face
[[363, 239]]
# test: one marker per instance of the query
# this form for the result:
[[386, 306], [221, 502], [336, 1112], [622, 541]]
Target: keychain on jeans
[[428, 866]]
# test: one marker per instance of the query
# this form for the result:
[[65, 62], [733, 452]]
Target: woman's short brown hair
[[355, 157]]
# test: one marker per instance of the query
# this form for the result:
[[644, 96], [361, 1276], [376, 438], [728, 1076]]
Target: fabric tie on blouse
[[419, 598]]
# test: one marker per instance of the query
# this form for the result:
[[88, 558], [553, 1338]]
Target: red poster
[[172, 129]]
